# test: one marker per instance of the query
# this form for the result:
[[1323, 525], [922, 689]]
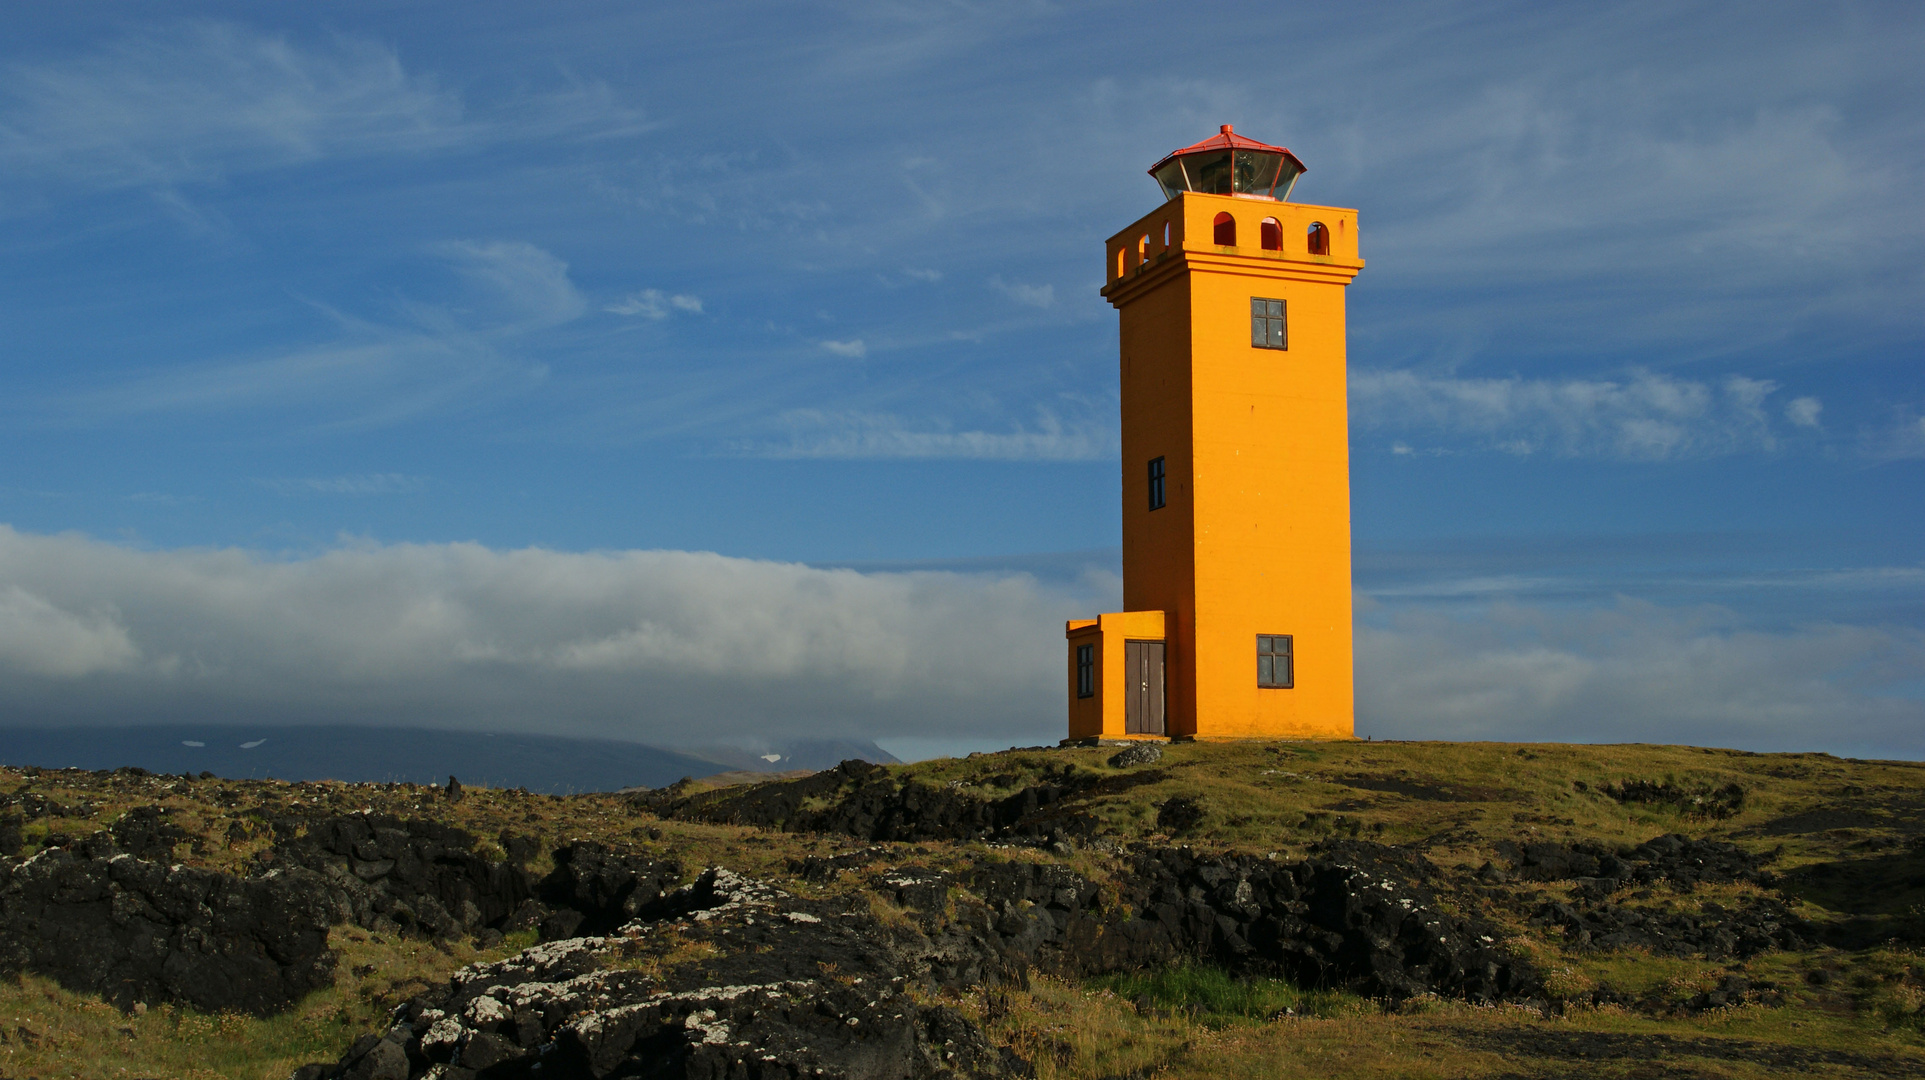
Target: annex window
[[1267, 324], [1275, 667], [1085, 671], [1156, 483]]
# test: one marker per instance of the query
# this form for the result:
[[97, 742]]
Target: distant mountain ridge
[[551, 764]]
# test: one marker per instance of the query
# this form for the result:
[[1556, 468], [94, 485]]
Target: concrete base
[[1129, 741]]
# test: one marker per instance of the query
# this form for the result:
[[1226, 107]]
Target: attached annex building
[[1236, 466]]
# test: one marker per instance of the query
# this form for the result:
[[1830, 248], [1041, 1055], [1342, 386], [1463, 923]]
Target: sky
[[737, 371]]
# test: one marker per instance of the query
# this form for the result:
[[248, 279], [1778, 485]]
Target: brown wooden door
[[1143, 687]]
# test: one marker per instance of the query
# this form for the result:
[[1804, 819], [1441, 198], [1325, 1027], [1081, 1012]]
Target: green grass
[[1214, 997]]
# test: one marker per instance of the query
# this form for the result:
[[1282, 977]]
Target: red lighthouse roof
[[1227, 163]]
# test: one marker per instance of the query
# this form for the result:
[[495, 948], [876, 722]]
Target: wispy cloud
[[377, 372], [1644, 417], [818, 434], [199, 101], [365, 484], [1036, 296], [205, 99], [528, 285], [854, 348], [655, 304]]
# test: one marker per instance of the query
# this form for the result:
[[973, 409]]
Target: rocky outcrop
[[1679, 862], [1715, 932], [594, 890], [733, 978], [133, 931], [1354, 915], [868, 802], [412, 876]]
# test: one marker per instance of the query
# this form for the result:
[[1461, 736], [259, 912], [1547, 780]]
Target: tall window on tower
[[1267, 324], [1274, 665], [1085, 671], [1156, 483]]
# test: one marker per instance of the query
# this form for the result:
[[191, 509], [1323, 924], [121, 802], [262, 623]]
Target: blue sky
[[397, 364]]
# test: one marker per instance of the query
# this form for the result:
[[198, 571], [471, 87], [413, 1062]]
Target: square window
[[1156, 483], [1268, 324], [1085, 671], [1275, 666]]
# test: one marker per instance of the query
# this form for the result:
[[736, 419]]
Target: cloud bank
[[653, 645], [684, 647]]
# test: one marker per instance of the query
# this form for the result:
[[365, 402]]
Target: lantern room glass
[[1230, 172]]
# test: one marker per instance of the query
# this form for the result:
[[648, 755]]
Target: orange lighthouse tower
[[1236, 463]]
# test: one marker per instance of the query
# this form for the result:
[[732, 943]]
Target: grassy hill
[[1776, 932]]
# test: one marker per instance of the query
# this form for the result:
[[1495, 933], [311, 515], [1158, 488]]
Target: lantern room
[[1229, 164]]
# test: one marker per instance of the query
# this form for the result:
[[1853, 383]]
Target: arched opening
[[1226, 230], [1319, 239], [1272, 234], [1166, 236]]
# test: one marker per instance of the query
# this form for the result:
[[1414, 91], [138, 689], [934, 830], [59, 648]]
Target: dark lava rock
[[735, 979], [1139, 754], [135, 931], [1355, 915], [391, 875], [1679, 861], [607, 888], [1702, 800], [145, 833], [1716, 933], [867, 802], [1179, 814]]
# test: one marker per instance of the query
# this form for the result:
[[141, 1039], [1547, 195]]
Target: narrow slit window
[[1085, 671], [1226, 230], [1269, 327], [1156, 483], [1276, 667]]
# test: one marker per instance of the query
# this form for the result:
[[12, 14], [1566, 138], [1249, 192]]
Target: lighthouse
[[1236, 464]]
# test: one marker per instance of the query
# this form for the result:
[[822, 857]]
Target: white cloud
[[1638, 672], [1645, 417], [655, 304], [644, 644], [818, 434], [40, 638], [1803, 412], [1036, 296], [854, 348]]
